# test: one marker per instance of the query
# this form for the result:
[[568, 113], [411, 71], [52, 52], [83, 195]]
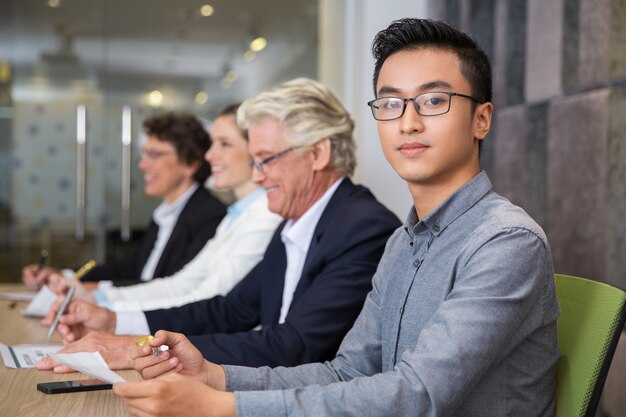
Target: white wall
[[347, 29]]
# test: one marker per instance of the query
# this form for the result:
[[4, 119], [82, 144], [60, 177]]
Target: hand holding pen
[[180, 356], [61, 310], [36, 275], [80, 318], [59, 284]]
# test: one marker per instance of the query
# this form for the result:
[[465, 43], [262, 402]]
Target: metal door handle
[[126, 154], [81, 139]]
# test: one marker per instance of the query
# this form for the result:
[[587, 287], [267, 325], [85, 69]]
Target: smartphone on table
[[58, 387]]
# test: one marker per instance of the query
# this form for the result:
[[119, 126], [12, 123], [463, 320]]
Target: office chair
[[591, 321]]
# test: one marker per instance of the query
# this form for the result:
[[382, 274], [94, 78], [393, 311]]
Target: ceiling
[[136, 42]]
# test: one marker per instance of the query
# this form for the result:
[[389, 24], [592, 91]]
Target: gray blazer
[[461, 322]]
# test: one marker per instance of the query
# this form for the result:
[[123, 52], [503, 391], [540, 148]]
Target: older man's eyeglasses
[[433, 103], [260, 165]]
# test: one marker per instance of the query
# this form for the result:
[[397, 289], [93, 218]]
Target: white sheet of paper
[[41, 303], [25, 356], [90, 363], [18, 295]]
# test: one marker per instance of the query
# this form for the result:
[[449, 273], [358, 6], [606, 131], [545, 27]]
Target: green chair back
[[591, 321]]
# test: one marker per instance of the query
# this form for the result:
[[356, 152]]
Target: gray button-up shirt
[[461, 321]]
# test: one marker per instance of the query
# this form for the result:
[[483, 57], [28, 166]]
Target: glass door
[[69, 125], [52, 128], [77, 78]]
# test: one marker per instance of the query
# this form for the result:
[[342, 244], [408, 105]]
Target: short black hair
[[409, 33], [188, 136]]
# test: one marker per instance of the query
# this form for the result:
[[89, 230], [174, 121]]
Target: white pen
[[157, 350], [61, 310]]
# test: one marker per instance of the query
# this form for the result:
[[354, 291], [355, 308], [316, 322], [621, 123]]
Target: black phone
[[58, 387]]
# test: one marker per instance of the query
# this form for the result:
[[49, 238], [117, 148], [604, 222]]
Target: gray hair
[[309, 112]]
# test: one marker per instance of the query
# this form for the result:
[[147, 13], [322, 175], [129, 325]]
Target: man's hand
[[182, 357], [175, 395], [34, 278], [81, 318], [115, 351]]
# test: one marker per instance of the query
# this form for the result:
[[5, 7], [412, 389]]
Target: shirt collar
[[451, 208], [300, 232], [173, 209], [239, 206]]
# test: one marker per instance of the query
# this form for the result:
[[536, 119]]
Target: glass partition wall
[[76, 80]]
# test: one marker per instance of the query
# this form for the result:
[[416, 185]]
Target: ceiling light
[[155, 98], [202, 97], [206, 10], [258, 44], [226, 84], [249, 55], [231, 75], [54, 3]]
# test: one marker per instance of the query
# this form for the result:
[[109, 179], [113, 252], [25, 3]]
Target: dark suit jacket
[[196, 224], [347, 244]]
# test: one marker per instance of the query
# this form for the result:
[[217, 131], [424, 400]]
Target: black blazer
[[347, 244], [196, 224]]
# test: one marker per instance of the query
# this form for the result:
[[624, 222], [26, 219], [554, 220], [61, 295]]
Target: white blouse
[[234, 250]]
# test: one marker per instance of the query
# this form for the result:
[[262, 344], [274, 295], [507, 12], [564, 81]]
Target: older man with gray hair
[[297, 304]]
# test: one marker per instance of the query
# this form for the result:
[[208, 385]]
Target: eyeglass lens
[[429, 104]]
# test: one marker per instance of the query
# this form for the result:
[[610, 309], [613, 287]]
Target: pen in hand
[[84, 269], [61, 310], [43, 258], [154, 350]]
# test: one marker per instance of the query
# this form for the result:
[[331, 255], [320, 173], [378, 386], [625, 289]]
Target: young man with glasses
[[461, 320], [296, 305], [174, 169]]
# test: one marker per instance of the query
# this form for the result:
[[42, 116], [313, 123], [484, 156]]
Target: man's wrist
[[215, 376]]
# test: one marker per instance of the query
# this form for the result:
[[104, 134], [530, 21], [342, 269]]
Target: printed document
[[25, 356]]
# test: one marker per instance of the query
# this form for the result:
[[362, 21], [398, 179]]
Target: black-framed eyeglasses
[[154, 154], [260, 165], [432, 103]]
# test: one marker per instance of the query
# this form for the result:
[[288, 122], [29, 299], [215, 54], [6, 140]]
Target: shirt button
[[416, 263], [436, 228]]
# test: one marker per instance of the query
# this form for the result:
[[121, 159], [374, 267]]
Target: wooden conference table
[[18, 387]]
